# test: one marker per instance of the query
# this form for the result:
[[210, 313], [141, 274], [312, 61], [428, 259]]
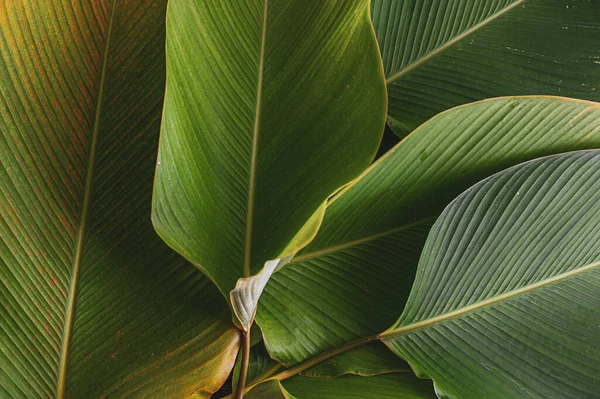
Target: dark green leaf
[[93, 303], [369, 360], [438, 55], [390, 386], [260, 363]]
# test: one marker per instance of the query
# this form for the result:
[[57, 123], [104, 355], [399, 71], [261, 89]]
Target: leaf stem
[[323, 356], [239, 393], [308, 363]]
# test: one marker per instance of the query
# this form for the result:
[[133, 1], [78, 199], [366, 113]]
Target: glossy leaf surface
[[506, 301], [93, 303], [271, 106], [438, 55], [357, 274]]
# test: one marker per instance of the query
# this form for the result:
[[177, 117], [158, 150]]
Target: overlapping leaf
[[355, 277], [438, 55], [369, 360], [93, 304], [271, 106], [391, 386], [259, 364], [506, 302]]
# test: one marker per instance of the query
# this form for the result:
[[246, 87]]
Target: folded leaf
[[438, 55], [93, 303], [271, 106], [506, 302], [357, 273], [244, 297]]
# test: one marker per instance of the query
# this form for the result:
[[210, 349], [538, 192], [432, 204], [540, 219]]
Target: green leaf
[[390, 386], [438, 55], [356, 275], [93, 303], [506, 299], [271, 106], [369, 360], [259, 364], [271, 389]]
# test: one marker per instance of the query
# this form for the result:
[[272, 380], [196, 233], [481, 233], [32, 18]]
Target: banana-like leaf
[[390, 386], [506, 303], [93, 303], [271, 106], [357, 273], [440, 54]]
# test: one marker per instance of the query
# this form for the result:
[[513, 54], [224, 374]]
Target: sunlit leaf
[[271, 106]]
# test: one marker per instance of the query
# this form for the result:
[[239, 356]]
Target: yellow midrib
[[71, 305], [395, 76], [479, 305], [254, 155], [359, 241], [389, 334]]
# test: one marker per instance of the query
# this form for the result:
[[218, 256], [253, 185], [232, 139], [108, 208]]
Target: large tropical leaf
[[506, 303], [356, 275], [271, 106], [93, 304], [438, 55]]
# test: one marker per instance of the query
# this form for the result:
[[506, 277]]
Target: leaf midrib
[[75, 268], [487, 302], [415, 64], [254, 155], [310, 362], [359, 241]]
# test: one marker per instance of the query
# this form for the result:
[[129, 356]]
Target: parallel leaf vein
[[255, 137], [487, 302], [450, 43], [362, 240], [77, 257]]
